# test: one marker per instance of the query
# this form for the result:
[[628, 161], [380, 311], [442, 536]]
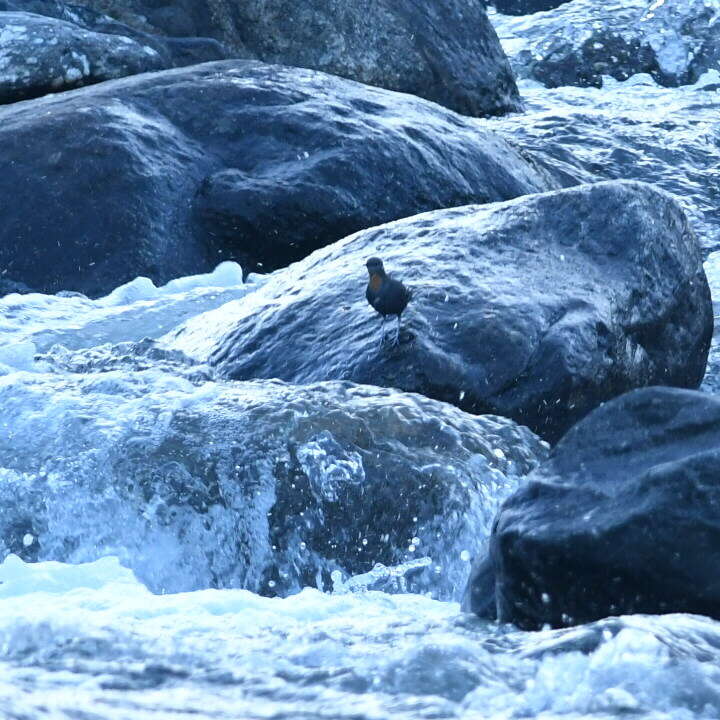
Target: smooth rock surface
[[227, 161], [623, 518], [537, 309], [446, 52], [581, 41], [260, 485]]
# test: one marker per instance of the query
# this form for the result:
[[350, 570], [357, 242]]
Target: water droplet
[[302, 545], [271, 584], [411, 548], [364, 541], [416, 541], [28, 540], [465, 556]]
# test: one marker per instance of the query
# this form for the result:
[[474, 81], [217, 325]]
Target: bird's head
[[375, 266]]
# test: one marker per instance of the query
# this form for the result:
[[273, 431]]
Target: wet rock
[[39, 55], [537, 309], [621, 519], [580, 42], [228, 161], [257, 485], [446, 52]]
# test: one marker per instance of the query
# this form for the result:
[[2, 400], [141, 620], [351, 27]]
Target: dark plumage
[[387, 296]]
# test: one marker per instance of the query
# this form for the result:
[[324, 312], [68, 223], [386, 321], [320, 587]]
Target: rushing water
[[89, 640]]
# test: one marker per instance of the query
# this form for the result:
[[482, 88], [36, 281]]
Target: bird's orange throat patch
[[375, 282]]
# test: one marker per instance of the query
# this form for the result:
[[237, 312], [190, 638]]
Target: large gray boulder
[[166, 174], [259, 485], [623, 518], [538, 309], [447, 52]]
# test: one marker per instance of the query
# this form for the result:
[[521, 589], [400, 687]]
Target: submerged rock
[[446, 52], [623, 518], [235, 160], [537, 309], [581, 41], [261, 485]]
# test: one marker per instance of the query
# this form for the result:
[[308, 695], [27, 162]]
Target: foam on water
[[35, 322], [91, 639]]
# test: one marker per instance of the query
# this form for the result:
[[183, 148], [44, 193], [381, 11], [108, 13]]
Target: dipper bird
[[387, 296]]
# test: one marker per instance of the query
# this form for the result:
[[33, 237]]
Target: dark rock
[[39, 55], [537, 309], [257, 485], [526, 7], [235, 160], [623, 518], [446, 52], [580, 42]]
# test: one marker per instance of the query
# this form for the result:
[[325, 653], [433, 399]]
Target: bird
[[386, 295]]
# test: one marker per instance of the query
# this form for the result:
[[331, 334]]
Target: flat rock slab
[[166, 174], [623, 518], [537, 309]]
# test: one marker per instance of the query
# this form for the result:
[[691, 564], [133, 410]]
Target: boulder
[[39, 55], [167, 174], [580, 42], [538, 309], [258, 485], [445, 52], [624, 517]]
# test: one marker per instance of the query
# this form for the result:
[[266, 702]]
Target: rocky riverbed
[[221, 497]]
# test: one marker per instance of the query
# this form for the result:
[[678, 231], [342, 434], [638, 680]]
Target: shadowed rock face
[[447, 52], [623, 518], [526, 7], [256, 485], [538, 309], [235, 160]]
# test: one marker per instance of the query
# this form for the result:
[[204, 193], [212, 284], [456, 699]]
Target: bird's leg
[[382, 331], [397, 332]]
